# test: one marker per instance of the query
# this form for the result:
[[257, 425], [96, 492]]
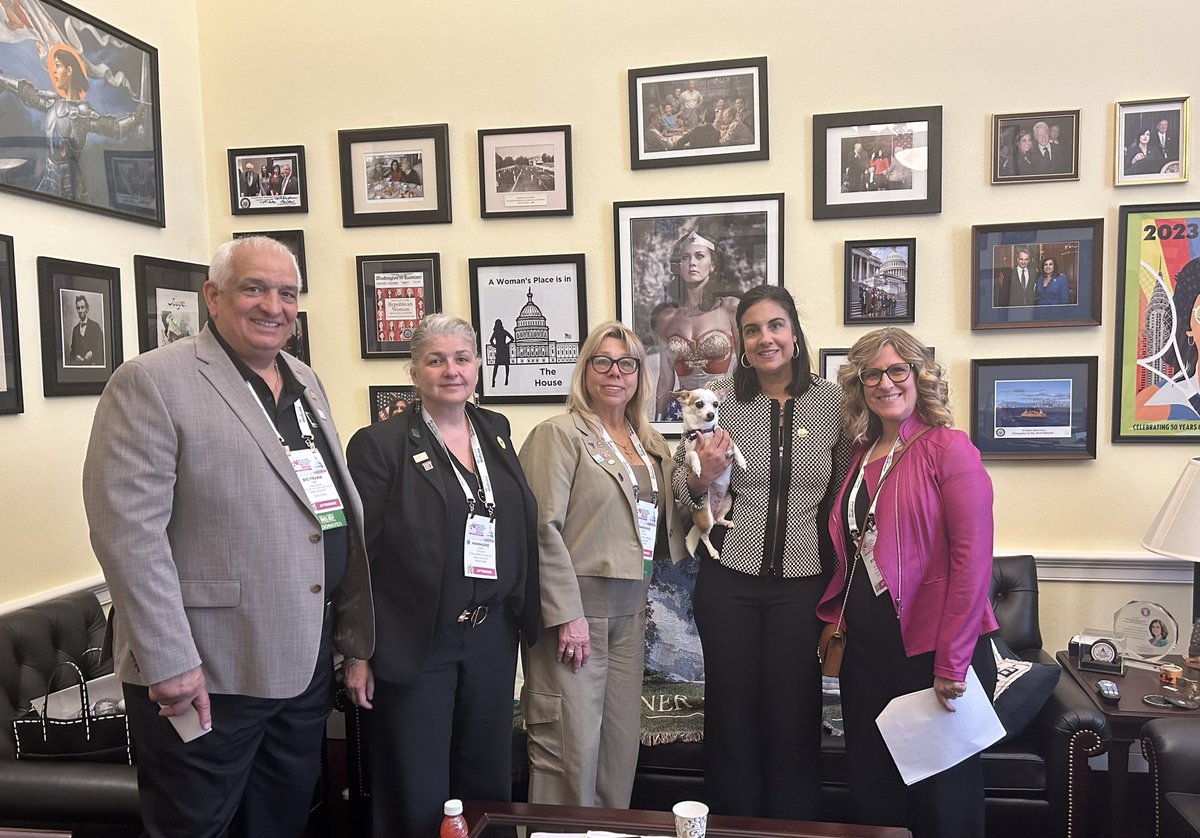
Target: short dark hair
[[1187, 289], [745, 379]]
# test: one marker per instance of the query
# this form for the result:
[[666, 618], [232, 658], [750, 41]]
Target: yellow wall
[[482, 64]]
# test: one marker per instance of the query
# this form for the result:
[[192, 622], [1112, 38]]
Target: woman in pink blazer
[[916, 612]]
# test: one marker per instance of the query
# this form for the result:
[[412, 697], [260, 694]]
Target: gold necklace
[[277, 386]]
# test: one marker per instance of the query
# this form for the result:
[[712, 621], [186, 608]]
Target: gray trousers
[[585, 727]]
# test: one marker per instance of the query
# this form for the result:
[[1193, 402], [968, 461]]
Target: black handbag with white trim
[[88, 737]]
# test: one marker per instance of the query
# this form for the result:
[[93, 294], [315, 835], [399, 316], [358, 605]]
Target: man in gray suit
[[229, 531]]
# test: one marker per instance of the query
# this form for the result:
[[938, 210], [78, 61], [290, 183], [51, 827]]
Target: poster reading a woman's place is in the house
[[531, 322]]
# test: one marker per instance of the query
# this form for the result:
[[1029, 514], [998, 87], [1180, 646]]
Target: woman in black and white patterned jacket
[[755, 606]]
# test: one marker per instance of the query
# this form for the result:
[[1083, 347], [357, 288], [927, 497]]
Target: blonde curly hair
[[932, 391]]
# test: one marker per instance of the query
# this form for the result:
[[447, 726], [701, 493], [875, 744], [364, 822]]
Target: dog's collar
[[692, 433]]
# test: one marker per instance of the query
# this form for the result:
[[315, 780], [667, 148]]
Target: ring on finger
[[729, 454], [570, 653]]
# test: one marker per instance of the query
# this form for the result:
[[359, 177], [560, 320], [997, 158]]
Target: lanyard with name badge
[[310, 468], [479, 539], [647, 512], [867, 547]]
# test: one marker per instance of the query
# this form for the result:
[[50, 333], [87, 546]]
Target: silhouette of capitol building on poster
[[531, 340]]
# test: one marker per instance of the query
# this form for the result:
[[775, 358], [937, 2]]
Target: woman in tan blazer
[[602, 478]]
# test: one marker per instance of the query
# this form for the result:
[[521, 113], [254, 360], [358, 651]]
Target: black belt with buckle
[[473, 617]]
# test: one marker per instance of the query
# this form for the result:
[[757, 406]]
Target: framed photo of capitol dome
[[531, 316], [881, 282]]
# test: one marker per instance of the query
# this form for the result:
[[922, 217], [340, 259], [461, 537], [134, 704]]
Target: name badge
[[878, 584], [479, 548], [318, 487], [647, 514]]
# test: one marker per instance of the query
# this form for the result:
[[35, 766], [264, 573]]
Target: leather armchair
[[91, 800], [1172, 748]]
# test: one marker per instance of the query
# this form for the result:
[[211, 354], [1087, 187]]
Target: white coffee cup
[[691, 819]]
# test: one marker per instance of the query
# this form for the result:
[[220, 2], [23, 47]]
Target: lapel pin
[[500, 441], [802, 432], [427, 466], [321, 413], [420, 457]]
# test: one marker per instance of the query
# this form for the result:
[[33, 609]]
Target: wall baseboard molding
[[1053, 566]]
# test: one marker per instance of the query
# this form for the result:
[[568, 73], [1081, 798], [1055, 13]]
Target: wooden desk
[[495, 819], [1126, 719]]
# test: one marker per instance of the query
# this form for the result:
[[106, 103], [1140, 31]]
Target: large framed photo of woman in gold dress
[[682, 266]]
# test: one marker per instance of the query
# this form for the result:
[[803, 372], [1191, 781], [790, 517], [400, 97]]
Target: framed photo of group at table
[[1156, 383], [1152, 141], [1035, 147], [880, 282], [81, 326], [689, 114], [11, 394], [170, 300], [394, 294], [1034, 409], [80, 123], [267, 180], [872, 163], [525, 172], [395, 175], [682, 265], [1033, 275]]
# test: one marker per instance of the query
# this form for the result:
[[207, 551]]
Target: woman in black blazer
[[451, 531]]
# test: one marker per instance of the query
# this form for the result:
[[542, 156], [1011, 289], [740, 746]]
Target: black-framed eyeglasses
[[896, 372], [602, 364]]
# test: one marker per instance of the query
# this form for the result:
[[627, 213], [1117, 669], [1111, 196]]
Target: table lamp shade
[[1176, 530]]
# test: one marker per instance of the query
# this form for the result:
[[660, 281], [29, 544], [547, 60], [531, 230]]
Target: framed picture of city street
[[531, 316], [880, 282], [525, 171], [870, 163], [689, 114], [1034, 409], [79, 113]]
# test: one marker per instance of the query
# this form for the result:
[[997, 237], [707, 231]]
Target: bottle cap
[[452, 808]]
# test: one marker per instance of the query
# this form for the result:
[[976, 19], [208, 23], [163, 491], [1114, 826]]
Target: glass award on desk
[[1150, 631]]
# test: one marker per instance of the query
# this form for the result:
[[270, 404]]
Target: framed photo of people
[[871, 163], [298, 345], [293, 240], [11, 394], [1156, 384], [74, 87], [386, 401], [1034, 409], [81, 326], [1152, 141], [1035, 275], [682, 265], [880, 282], [133, 182], [832, 360], [170, 300], [395, 175], [267, 180], [1036, 146], [531, 315], [689, 114], [394, 294], [525, 172]]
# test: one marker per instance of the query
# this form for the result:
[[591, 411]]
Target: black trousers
[[448, 733], [762, 692], [875, 670], [253, 775]]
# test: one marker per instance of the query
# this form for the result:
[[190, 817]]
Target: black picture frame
[[536, 182], [544, 300], [119, 76], [373, 198], [1156, 384], [395, 292], [12, 394], [1012, 164], [165, 287], [650, 237], [998, 301], [849, 183], [1135, 166], [880, 281], [60, 285], [293, 240], [830, 360], [382, 400], [1034, 408], [652, 88], [299, 345], [290, 194]]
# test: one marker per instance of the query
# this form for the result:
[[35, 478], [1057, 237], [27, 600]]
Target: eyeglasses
[[603, 363], [896, 372]]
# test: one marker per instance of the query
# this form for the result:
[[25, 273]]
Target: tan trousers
[[585, 727]]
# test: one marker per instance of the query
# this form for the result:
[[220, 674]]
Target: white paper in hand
[[187, 725], [924, 739]]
